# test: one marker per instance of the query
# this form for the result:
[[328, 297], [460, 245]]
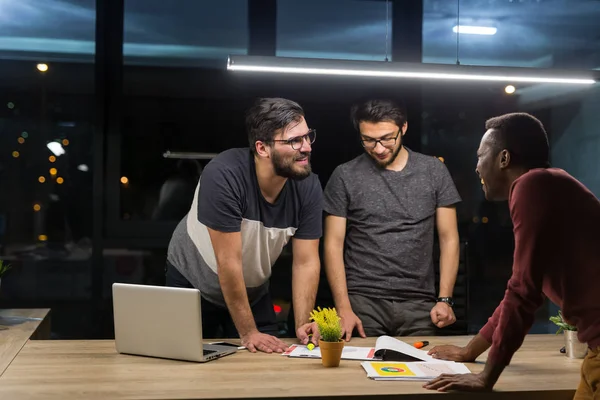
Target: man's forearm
[[231, 279], [305, 282], [476, 347], [491, 373], [336, 275], [449, 258]]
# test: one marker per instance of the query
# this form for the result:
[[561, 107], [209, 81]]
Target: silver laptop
[[159, 321]]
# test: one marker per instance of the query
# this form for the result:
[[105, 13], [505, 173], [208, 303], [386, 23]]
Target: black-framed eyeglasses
[[298, 141], [371, 143]]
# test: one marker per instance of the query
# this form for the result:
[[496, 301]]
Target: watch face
[[447, 300]]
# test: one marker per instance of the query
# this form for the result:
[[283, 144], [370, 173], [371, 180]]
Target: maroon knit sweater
[[556, 224]]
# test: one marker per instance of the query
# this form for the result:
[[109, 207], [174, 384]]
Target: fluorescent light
[[405, 70], [474, 30], [83, 168], [407, 74], [56, 148]]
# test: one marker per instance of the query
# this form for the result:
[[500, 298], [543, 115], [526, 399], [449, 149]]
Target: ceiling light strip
[[408, 74], [416, 72], [474, 30]]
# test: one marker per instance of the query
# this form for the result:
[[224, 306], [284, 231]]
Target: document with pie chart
[[411, 371]]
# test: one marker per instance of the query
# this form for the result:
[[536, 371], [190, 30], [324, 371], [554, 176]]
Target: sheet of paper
[[381, 370], [387, 342], [349, 352]]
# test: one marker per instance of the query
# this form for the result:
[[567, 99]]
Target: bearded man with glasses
[[249, 204], [381, 211]]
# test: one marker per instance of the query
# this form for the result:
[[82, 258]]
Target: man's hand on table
[[256, 341], [303, 332], [349, 320], [451, 353], [461, 382], [465, 382]]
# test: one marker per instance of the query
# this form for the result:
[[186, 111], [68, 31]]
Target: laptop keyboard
[[207, 352]]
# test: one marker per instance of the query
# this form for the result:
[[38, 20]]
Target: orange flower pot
[[331, 353]]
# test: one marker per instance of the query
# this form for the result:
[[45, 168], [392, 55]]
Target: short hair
[[378, 111], [523, 136], [269, 115]]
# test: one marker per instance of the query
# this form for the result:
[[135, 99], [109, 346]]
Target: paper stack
[[349, 352], [411, 371]]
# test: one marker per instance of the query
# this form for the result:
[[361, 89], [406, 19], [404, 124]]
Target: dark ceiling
[[184, 32]]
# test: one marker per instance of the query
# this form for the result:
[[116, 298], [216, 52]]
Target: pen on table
[[310, 345], [419, 345]]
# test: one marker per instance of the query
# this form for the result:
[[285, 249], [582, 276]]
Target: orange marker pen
[[419, 345]]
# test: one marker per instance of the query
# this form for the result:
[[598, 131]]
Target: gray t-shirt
[[390, 224], [228, 199]]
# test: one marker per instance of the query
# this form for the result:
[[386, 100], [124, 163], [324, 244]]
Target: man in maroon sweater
[[556, 224]]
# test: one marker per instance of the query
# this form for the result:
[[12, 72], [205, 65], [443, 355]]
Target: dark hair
[[269, 115], [379, 111], [523, 136]]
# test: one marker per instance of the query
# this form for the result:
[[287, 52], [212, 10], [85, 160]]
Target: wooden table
[[17, 326], [93, 370]]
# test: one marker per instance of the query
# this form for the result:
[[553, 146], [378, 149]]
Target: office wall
[[576, 138]]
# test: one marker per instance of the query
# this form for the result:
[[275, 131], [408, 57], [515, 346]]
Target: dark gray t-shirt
[[390, 224], [228, 199]]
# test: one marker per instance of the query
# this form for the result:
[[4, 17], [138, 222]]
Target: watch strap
[[447, 300]]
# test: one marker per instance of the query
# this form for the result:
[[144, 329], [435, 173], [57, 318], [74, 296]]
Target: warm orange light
[[42, 238], [41, 179], [124, 180], [37, 207], [53, 171], [21, 140], [16, 154], [476, 219], [65, 142], [59, 180], [51, 158], [441, 159], [485, 220]]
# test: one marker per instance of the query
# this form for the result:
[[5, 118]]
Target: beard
[[285, 166], [385, 163]]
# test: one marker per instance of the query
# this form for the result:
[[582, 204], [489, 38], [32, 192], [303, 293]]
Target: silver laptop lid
[[158, 321]]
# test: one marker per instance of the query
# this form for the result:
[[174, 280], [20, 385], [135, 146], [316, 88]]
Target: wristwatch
[[447, 300]]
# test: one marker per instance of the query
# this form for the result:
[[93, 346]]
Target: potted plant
[[573, 347], [330, 329], [3, 269]]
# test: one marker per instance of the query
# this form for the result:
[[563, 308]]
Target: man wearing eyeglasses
[[381, 211], [248, 204]]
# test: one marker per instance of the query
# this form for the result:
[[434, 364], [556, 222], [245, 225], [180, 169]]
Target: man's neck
[[269, 182], [512, 175], [400, 162]]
